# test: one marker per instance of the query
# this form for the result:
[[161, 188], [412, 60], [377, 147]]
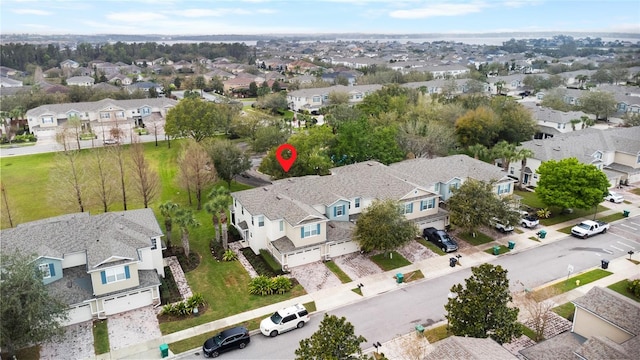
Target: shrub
[[543, 213], [281, 284], [169, 309], [261, 285], [229, 255], [196, 300], [216, 249], [259, 264], [634, 287], [273, 264], [183, 308]]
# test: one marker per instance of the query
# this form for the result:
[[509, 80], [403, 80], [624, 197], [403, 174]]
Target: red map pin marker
[[286, 163]]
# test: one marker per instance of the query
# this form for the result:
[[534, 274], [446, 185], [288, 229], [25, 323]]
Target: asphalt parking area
[[77, 343]]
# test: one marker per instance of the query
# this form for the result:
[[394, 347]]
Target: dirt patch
[[77, 343], [315, 276]]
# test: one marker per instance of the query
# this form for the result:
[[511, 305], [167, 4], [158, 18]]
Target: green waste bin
[[420, 328], [625, 213], [399, 278], [542, 234], [512, 244], [496, 250], [164, 350]]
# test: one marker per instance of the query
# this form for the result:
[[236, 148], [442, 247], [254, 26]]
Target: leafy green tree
[[602, 76], [186, 220], [383, 226], [554, 99], [29, 314], [601, 104], [275, 87], [167, 210], [253, 89], [336, 115], [481, 309], [200, 83], [268, 137], [199, 119], [339, 98], [273, 102], [479, 126], [228, 159], [569, 183], [523, 154], [334, 340], [516, 122], [359, 141], [218, 205], [426, 138]]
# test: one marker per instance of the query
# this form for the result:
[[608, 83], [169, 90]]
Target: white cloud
[[435, 10], [135, 16], [195, 13], [31, 12]]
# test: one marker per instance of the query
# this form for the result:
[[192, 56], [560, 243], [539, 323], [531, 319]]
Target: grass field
[[565, 310], [531, 199], [621, 288], [576, 281], [503, 250], [344, 278], [392, 260], [430, 246], [475, 241]]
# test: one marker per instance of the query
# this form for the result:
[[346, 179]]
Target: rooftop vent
[[557, 148], [265, 189]]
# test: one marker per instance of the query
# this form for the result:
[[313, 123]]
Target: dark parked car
[[237, 337], [440, 238]]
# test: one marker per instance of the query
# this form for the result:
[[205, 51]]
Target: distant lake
[[471, 40]]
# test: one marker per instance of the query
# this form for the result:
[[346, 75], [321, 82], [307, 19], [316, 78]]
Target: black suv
[[237, 337], [440, 238]]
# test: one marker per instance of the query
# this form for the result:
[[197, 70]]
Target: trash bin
[[512, 244], [542, 234], [625, 213], [420, 329], [164, 350], [452, 262], [399, 278], [496, 250], [605, 264]]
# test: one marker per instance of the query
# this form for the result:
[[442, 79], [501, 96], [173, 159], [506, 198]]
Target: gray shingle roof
[[558, 347], [464, 348], [612, 307], [99, 105], [599, 347], [100, 236]]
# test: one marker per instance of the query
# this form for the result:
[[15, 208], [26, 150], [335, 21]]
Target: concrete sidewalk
[[376, 284]]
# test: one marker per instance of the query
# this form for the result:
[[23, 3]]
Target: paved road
[[389, 315]]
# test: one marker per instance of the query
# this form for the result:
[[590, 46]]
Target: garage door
[[303, 257], [124, 303], [342, 248], [438, 224], [79, 314]]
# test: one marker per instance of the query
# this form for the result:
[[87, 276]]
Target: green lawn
[[357, 291], [413, 276], [565, 310], [387, 263], [528, 332], [100, 337], [621, 288], [531, 199], [503, 250], [479, 239], [570, 284], [437, 333], [344, 278], [430, 246]]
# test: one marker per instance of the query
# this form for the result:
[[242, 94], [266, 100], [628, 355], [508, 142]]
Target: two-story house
[[80, 81], [98, 264], [616, 151], [314, 99], [553, 122], [307, 219]]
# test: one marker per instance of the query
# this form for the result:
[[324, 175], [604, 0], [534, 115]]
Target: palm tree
[[478, 150], [167, 210], [574, 122], [218, 205], [522, 155], [185, 219], [505, 151]]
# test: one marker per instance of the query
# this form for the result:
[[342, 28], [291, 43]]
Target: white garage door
[[303, 257], [438, 224], [79, 314], [127, 302], [342, 248]]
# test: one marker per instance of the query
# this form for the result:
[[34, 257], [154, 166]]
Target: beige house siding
[[588, 325], [627, 160], [101, 289], [294, 236]]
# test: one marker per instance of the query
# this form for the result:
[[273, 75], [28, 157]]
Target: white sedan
[[614, 197]]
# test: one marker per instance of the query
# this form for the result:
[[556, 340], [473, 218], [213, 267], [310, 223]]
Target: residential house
[[467, 348], [145, 86], [69, 64], [8, 82], [80, 81], [302, 67], [440, 86], [307, 219], [446, 71], [616, 151], [100, 265], [332, 77], [606, 325], [98, 115], [120, 79], [553, 122], [315, 98]]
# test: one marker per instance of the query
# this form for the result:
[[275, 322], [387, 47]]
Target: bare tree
[[538, 307], [104, 184], [196, 170], [155, 125], [5, 205], [117, 154], [147, 181], [74, 124], [69, 187]]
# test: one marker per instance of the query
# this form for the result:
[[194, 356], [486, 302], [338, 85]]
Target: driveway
[[77, 343], [133, 327]]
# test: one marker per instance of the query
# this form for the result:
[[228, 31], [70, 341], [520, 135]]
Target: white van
[[283, 320]]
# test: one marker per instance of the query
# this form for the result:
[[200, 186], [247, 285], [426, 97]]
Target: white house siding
[[126, 302], [303, 256], [78, 314], [342, 248]]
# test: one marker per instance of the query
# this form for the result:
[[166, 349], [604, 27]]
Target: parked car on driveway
[[614, 197], [283, 320], [440, 238], [110, 142], [496, 223], [234, 338], [528, 221]]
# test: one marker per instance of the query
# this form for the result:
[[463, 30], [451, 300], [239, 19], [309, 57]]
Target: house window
[[511, 170], [408, 208], [598, 155], [47, 120], [154, 244], [427, 204], [120, 114], [638, 159], [504, 188], [316, 99], [115, 274], [252, 220], [260, 221], [105, 115], [338, 210], [146, 111], [310, 230], [281, 225], [357, 201], [46, 270]]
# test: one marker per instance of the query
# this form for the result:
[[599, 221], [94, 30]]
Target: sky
[[219, 17]]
